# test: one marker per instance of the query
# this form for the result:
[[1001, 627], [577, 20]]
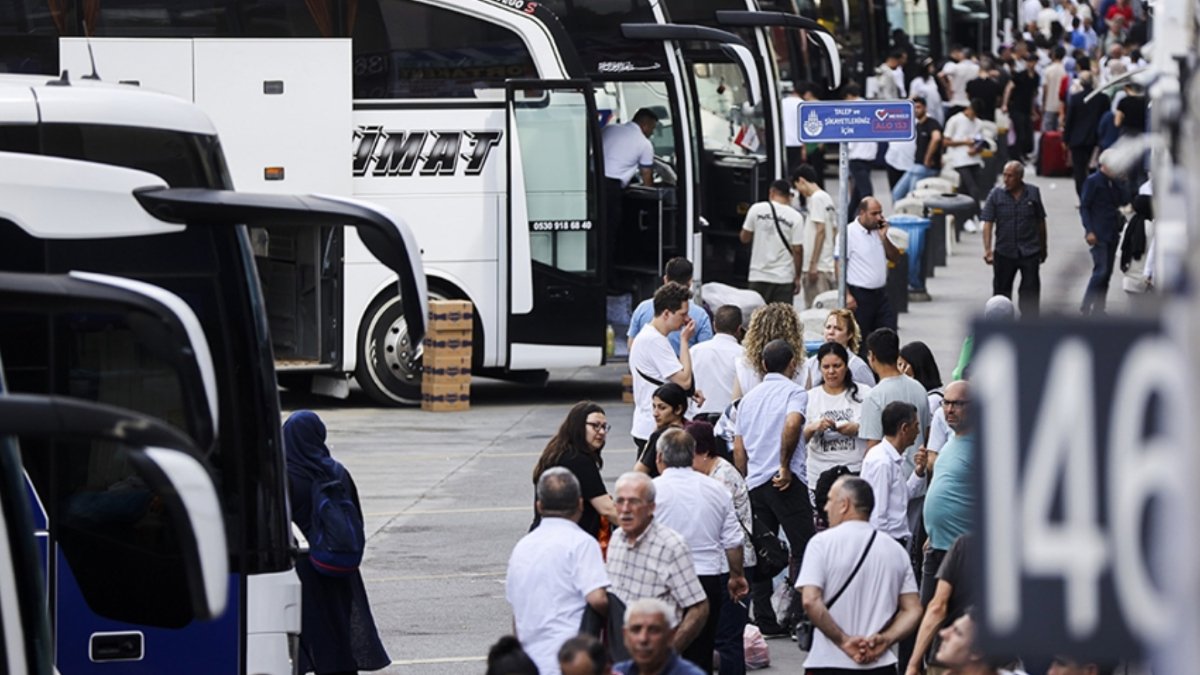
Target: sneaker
[[971, 226]]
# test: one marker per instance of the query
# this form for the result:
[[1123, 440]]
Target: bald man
[[867, 254]]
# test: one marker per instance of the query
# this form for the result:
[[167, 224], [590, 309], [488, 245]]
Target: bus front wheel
[[389, 362]]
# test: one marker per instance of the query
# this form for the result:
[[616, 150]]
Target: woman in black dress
[[338, 633], [577, 447]]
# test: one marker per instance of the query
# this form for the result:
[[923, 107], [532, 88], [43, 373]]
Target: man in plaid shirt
[[649, 560]]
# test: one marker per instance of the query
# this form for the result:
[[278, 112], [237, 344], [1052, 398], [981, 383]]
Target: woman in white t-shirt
[[834, 410]]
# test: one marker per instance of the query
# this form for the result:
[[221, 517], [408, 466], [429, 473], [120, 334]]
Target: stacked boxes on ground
[[446, 364]]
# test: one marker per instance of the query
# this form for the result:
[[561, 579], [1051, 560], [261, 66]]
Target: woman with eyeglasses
[[668, 405], [577, 447]]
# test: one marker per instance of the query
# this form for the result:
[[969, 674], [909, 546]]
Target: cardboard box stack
[[446, 364]]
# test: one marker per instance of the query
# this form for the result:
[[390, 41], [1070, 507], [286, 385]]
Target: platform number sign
[[1082, 475]]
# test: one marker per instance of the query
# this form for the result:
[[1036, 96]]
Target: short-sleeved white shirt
[[821, 215], [626, 150], [960, 74], [651, 354], [713, 368], [550, 572], [761, 417], [867, 267], [770, 262], [962, 128], [873, 596], [701, 510]]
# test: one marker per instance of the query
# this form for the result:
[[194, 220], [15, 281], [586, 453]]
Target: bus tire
[[389, 365]]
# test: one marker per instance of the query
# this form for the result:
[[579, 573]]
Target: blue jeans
[[1103, 256], [908, 182], [730, 629]]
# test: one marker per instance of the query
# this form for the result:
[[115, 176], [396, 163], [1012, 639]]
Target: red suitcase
[[1053, 158]]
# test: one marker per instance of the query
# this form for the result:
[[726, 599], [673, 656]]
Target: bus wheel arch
[[389, 366]]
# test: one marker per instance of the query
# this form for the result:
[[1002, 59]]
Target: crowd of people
[[824, 496]]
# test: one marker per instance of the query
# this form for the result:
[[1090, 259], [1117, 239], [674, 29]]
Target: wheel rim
[[401, 357]]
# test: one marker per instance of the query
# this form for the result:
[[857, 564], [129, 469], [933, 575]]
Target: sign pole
[[843, 217]]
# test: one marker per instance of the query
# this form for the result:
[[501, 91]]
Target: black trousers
[[1022, 125], [894, 175], [700, 652], [774, 509], [1004, 272], [614, 195], [860, 177], [929, 570], [872, 309], [1080, 157], [968, 180]]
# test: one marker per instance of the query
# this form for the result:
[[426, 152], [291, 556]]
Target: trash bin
[[918, 256], [961, 207]]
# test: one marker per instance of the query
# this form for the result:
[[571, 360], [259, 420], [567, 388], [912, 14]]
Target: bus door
[[798, 28], [723, 128], [183, 529], [556, 244]]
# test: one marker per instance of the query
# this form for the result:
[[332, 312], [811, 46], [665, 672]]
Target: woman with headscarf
[[338, 633], [998, 308]]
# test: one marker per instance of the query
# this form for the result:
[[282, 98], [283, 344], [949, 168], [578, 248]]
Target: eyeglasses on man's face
[[600, 427], [961, 403]]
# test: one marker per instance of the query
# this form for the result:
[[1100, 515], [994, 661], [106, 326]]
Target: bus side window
[[406, 49]]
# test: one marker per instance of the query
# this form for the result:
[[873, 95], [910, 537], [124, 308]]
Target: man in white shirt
[[713, 360], [555, 572], [955, 75], [1052, 105], [652, 362], [678, 269], [1046, 19], [628, 153], [878, 605], [701, 511], [868, 251], [862, 157], [963, 142], [774, 267], [767, 450], [819, 233], [883, 469]]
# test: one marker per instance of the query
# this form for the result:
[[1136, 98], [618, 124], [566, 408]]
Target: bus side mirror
[[130, 506]]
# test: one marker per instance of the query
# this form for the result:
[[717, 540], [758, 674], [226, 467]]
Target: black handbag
[[804, 629], [773, 555]]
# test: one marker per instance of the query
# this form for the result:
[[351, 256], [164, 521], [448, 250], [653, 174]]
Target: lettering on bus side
[[384, 152]]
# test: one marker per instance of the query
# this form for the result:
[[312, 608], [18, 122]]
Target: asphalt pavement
[[447, 495]]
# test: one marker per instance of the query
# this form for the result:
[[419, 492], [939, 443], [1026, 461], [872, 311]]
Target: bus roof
[[29, 99]]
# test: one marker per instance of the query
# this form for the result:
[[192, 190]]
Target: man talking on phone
[[868, 251]]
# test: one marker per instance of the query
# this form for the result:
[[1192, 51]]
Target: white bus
[[116, 181], [479, 122]]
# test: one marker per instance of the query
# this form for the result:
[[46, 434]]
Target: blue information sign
[[846, 121]]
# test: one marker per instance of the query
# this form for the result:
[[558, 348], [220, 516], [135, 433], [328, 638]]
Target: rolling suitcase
[[1053, 158]]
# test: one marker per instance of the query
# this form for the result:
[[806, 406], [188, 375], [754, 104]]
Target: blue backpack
[[336, 539]]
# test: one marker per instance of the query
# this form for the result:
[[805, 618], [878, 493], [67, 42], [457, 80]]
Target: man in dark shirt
[[986, 88], [1099, 209], [1079, 127], [927, 156], [1018, 103], [1016, 211]]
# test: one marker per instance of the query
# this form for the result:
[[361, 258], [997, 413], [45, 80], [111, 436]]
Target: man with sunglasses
[[950, 498]]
